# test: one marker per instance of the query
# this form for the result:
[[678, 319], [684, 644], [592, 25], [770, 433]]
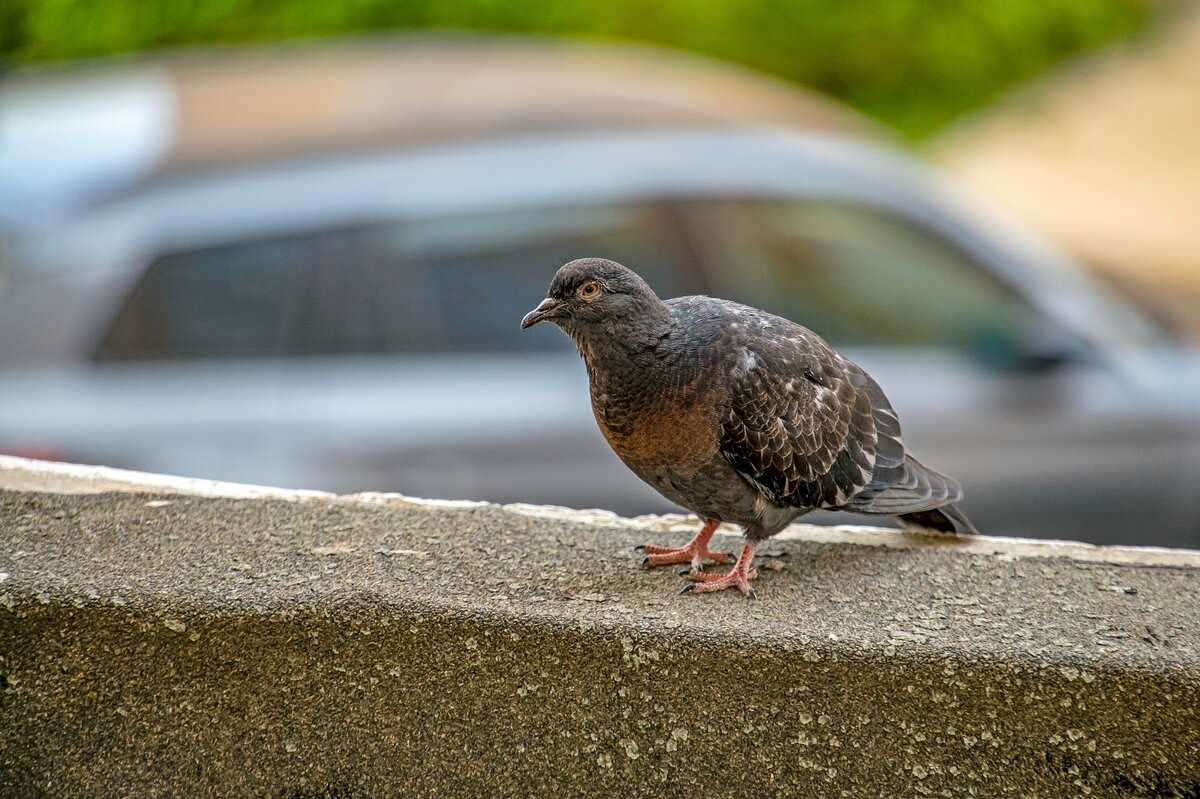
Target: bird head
[[595, 294]]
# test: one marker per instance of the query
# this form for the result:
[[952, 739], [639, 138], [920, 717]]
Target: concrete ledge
[[289, 644]]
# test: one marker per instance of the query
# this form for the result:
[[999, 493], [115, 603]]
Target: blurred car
[[346, 318]]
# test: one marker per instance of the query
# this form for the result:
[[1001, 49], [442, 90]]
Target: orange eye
[[589, 290]]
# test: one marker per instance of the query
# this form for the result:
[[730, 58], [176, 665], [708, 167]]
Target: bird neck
[[621, 343], [627, 366]]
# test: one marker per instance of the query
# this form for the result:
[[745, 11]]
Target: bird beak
[[545, 310]]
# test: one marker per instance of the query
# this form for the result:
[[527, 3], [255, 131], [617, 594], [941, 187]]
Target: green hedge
[[912, 63]]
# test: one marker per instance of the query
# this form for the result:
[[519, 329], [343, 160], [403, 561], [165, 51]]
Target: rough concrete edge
[[69, 478]]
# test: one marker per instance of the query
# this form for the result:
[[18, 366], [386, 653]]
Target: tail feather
[[917, 488], [901, 485], [946, 519], [919, 496]]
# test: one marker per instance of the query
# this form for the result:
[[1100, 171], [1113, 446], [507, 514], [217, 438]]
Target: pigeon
[[738, 415]]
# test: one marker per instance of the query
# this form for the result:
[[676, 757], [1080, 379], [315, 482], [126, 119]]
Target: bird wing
[[800, 423]]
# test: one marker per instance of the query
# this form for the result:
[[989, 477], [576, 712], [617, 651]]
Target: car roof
[[459, 177], [77, 133]]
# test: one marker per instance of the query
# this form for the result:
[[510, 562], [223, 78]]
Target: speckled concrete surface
[[185, 646]]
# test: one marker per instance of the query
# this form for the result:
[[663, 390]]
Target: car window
[[454, 284], [230, 300], [484, 273], [856, 275]]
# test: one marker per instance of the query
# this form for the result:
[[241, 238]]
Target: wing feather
[[799, 425], [808, 428]]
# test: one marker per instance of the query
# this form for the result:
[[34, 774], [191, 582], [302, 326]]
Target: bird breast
[[676, 433]]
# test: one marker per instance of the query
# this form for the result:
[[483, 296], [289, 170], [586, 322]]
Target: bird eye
[[589, 290]]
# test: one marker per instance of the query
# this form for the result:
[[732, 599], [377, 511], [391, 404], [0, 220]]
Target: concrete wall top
[[160, 634]]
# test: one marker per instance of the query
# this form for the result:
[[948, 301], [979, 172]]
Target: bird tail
[[946, 519], [919, 496]]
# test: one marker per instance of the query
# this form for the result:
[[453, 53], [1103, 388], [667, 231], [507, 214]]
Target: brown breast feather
[[679, 434]]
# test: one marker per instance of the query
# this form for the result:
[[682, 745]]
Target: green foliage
[[913, 63]]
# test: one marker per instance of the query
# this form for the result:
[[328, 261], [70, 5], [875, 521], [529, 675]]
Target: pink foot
[[740, 576], [694, 552]]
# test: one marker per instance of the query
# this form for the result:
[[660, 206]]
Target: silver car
[[350, 322]]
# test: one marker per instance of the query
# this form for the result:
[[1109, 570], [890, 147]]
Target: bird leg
[[740, 575], [694, 552]]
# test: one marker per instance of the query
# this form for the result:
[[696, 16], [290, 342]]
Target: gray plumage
[[736, 414]]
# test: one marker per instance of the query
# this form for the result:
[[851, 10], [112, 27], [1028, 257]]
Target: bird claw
[[701, 576], [749, 592], [738, 577], [694, 552], [669, 556]]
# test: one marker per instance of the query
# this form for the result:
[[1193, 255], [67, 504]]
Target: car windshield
[[857, 275]]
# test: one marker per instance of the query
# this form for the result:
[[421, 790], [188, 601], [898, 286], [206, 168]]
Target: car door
[[1046, 436]]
